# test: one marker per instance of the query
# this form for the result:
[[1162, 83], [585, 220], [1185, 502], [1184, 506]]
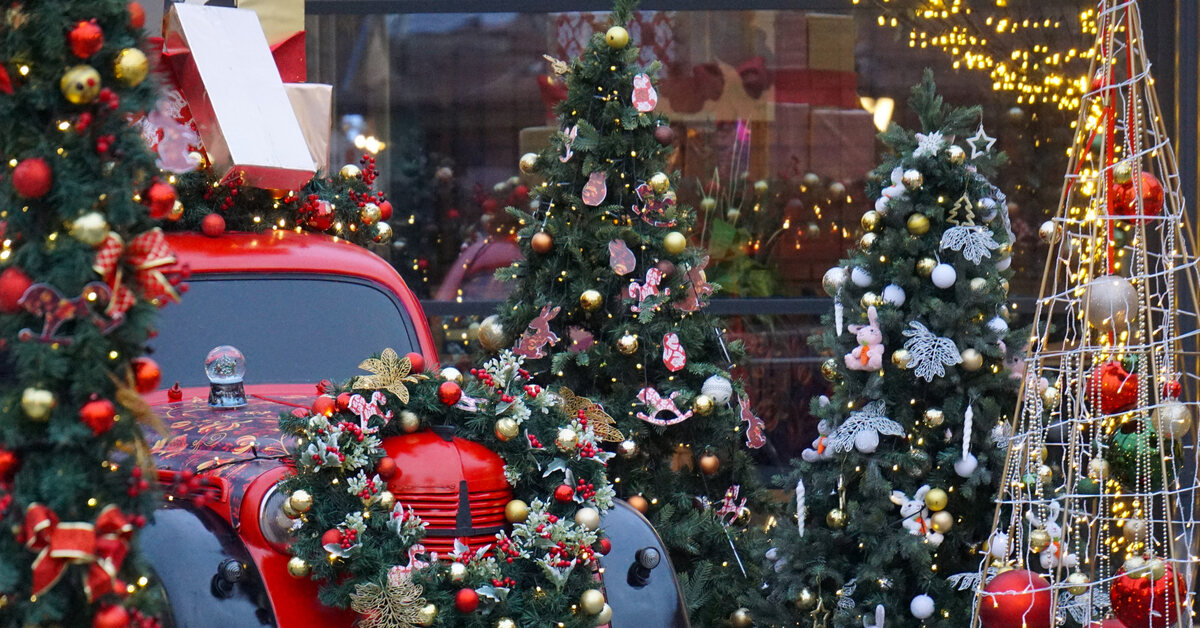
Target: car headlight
[[275, 524]]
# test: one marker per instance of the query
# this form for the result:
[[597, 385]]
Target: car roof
[[276, 251]]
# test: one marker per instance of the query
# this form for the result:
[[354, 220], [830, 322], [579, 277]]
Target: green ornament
[[1133, 441], [1088, 486], [1029, 480], [1130, 363]]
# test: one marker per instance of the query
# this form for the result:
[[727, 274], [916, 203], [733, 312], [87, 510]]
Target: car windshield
[[291, 330]]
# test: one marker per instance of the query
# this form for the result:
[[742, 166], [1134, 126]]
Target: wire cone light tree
[[1096, 517], [608, 304]]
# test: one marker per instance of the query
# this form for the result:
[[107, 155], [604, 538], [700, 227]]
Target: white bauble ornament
[[966, 466], [922, 606], [860, 277], [944, 275], [1133, 529], [1110, 303], [718, 389], [998, 326], [1004, 263], [1173, 419], [833, 280], [894, 295]]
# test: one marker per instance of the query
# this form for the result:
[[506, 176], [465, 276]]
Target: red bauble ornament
[[664, 135], [605, 546], [666, 268], [466, 600], [1143, 603], [1172, 389], [111, 617], [1108, 623], [417, 362], [213, 225], [86, 39], [98, 414], [13, 284], [449, 393], [161, 200], [1118, 387], [1016, 598], [146, 375], [521, 193], [564, 493], [332, 536], [385, 210], [325, 405], [490, 205], [386, 467], [137, 15], [32, 177], [8, 464], [343, 401], [1125, 197]]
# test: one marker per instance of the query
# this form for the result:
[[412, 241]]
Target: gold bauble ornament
[[867, 241], [297, 568], [709, 464], [942, 521], [1039, 540], [1050, 232], [616, 38], [383, 232], [925, 266], [972, 360], [806, 599], [288, 512], [491, 334], [591, 300], [741, 618], [370, 214], [936, 499], [37, 403], [836, 519], [427, 615], [591, 601], [452, 374], [627, 344], [742, 518], [871, 221], [978, 284], [1157, 569], [829, 369], [566, 439], [541, 242], [588, 518], [1077, 583], [131, 67], [1123, 172], [900, 358], [956, 154], [918, 224], [409, 421], [1051, 396], [386, 500], [660, 183], [506, 623], [870, 299], [80, 84], [516, 511], [675, 243], [507, 429], [458, 571], [702, 405], [604, 616], [300, 500], [176, 211], [639, 503], [1136, 567], [1098, 469], [934, 417], [913, 179], [350, 171], [627, 448], [528, 162], [90, 228]]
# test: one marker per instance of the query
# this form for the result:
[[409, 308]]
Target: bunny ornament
[[1053, 555], [916, 515], [877, 620], [893, 191], [868, 355], [819, 451]]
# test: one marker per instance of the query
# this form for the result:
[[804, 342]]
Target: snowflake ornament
[[930, 353], [973, 241], [929, 145], [862, 429]]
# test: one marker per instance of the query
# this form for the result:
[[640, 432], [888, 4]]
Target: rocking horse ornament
[[659, 404]]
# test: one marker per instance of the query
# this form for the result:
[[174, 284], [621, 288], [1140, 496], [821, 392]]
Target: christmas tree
[[83, 270], [609, 304], [1097, 517], [895, 494]]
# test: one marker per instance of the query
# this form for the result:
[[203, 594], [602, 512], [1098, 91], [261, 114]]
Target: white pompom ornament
[[718, 389], [922, 606], [894, 295], [966, 466], [944, 276], [860, 277]]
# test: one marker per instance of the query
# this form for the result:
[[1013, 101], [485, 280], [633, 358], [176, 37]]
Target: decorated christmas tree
[[608, 303], [894, 496], [84, 269], [1096, 522]]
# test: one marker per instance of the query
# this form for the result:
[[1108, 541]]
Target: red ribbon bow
[[149, 256], [102, 545]]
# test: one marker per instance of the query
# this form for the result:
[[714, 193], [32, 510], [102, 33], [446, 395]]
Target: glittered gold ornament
[[942, 521], [588, 518], [370, 214], [80, 84], [829, 369], [918, 224], [1051, 396], [591, 601], [409, 421], [386, 500], [934, 417], [936, 499], [627, 448], [288, 512], [835, 518], [972, 360], [37, 403], [741, 618], [90, 228], [1077, 583], [900, 358], [1123, 172], [130, 67], [1050, 232], [350, 171], [806, 599], [300, 501], [516, 511], [867, 241], [604, 616], [616, 37], [742, 518], [528, 162], [452, 374], [506, 623], [297, 568], [491, 334], [627, 344], [507, 429], [1039, 540], [870, 299], [709, 464], [956, 154], [702, 405], [566, 439], [913, 179], [925, 266], [427, 615], [383, 232], [176, 211], [660, 183], [458, 571], [871, 221], [978, 284], [591, 300], [675, 243]]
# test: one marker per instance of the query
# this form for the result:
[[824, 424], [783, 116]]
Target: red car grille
[[473, 517]]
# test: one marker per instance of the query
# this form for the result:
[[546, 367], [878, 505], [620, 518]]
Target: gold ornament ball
[[566, 439], [452, 374], [942, 522], [871, 221], [297, 568], [516, 511], [1136, 567], [627, 448], [743, 516], [409, 421], [592, 601], [1051, 396], [957, 155], [130, 67], [541, 242], [37, 403], [867, 241], [370, 214], [1157, 570], [934, 417], [660, 183], [972, 360], [80, 85], [627, 344], [829, 369], [741, 618], [639, 503], [288, 512], [870, 299], [702, 405], [1098, 469], [709, 464], [386, 500], [925, 266], [176, 211], [913, 179], [506, 623], [507, 429], [616, 38], [837, 189], [675, 243], [900, 358], [383, 232], [1077, 583], [1123, 172], [936, 499], [300, 501], [1044, 472], [491, 334], [350, 171], [588, 518], [836, 519], [458, 571], [528, 162], [427, 615], [978, 284], [1039, 540], [591, 300], [806, 599], [90, 228], [1050, 232], [918, 224], [604, 616]]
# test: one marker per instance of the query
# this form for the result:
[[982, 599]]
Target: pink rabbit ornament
[[868, 355]]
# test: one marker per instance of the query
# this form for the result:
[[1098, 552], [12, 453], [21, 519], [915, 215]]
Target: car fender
[[654, 601]]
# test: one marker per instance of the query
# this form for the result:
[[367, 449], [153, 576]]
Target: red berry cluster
[[586, 553], [353, 429], [369, 490], [586, 489], [534, 442], [110, 98], [504, 582], [506, 549], [368, 169], [137, 483], [104, 142], [533, 390], [561, 552], [348, 538], [586, 450]]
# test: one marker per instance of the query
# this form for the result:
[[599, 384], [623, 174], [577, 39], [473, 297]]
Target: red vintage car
[[300, 308]]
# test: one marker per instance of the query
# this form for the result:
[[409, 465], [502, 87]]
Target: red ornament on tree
[[1172, 389], [449, 393], [86, 39], [32, 177], [466, 600], [98, 414], [1144, 603], [1126, 194], [564, 493], [605, 546], [343, 401], [111, 617], [146, 375], [332, 536], [385, 210], [1108, 623], [213, 225], [325, 405], [8, 464], [161, 200], [1016, 598], [417, 361], [137, 16], [13, 284], [386, 467], [1118, 387]]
